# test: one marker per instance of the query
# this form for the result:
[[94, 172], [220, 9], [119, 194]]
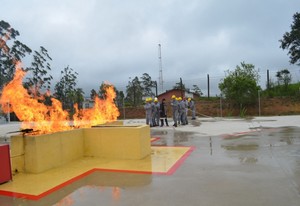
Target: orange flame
[[46, 119], [102, 112]]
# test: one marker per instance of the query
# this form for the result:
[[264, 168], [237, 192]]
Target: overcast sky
[[113, 40]]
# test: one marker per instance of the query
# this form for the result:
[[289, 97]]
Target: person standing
[[182, 116], [163, 113], [156, 108], [186, 109], [148, 109], [192, 108], [174, 104]]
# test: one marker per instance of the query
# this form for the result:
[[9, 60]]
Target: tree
[[79, 98], [93, 94], [284, 77], [39, 78], [9, 56], [197, 90], [102, 90], [291, 40], [120, 98], [65, 90], [179, 85], [148, 85], [241, 85], [134, 91]]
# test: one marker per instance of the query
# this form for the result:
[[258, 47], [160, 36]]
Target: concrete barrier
[[39, 153]]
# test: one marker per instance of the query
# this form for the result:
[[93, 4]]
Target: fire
[[46, 119], [103, 111]]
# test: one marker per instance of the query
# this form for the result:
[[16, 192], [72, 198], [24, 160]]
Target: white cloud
[[114, 39]]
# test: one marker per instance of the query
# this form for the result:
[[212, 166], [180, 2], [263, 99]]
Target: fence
[[209, 84]]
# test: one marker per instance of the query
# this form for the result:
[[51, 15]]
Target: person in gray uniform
[[182, 112], [156, 108], [192, 108], [174, 104], [186, 109], [148, 109]]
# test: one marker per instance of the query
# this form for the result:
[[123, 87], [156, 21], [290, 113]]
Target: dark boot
[[161, 122]]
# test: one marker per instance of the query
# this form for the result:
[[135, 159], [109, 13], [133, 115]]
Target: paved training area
[[233, 162]]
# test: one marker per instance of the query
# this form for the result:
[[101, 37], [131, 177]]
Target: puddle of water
[[98, 188], [172, 138], [195, 123], [241, 147], [264, 150], [248, 160], [279, 142]]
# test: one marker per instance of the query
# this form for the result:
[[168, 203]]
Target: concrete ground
[[235, 162]]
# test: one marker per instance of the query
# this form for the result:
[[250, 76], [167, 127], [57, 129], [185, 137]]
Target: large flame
[[46, 119], [103, 111]]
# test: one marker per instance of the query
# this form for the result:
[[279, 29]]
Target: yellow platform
[[163, 160], [39, 153]]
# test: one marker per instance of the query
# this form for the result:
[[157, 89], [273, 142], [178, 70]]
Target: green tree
[[197, 90], [134, 91], [10, 55], [147, 85], [65, 89], [120, 98], [102, 90], [241, 85], [39, 72], [284, 77], [93, 94], [179, 85], [79, 97], [291, 40]]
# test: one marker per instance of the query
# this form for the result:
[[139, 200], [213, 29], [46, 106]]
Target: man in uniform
[[174, 104], [148, 109], [192, 108]]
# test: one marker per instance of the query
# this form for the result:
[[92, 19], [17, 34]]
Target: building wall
[[178, 93]]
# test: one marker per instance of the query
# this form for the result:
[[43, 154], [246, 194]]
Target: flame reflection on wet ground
[[262, 166]]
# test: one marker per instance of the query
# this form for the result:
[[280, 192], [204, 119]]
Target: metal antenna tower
[[160, 79]]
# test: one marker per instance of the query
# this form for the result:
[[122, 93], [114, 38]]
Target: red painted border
[[153, 139], [37, 197]]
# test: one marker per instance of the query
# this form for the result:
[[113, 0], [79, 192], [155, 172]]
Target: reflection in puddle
[[104, 188], [195, 123], [87, 193], [172, 137], [247, 148], [248, 160], [241, 158], [241, 147]]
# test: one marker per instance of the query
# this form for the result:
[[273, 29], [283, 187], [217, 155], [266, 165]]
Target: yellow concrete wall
[[48, 151], [72, 143], [35, 154], [17, 153], [126, 142]]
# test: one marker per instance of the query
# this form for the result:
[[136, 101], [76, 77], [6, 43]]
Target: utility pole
[[181, 87], [268, 79], [155, 88], [160, 80], [208, 86]]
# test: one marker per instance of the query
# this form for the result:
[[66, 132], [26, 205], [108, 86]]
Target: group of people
[[156, 112], [180, 109]]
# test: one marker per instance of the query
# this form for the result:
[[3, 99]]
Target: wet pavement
[[235, 162]]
